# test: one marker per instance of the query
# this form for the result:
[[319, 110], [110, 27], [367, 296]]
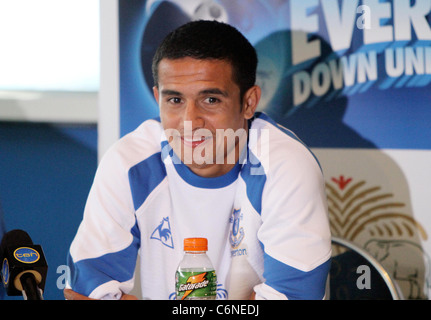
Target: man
[[210, 167]]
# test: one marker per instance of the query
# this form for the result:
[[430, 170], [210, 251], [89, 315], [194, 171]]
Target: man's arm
[[72, 295], [295, 233], [102, 256]]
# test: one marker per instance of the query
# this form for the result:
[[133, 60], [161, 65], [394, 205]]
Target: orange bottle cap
[[195, 244]]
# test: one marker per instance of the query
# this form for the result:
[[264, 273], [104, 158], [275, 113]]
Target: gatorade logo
[[193, 282], [26, 255]]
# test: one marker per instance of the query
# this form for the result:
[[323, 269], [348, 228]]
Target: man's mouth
[[194, 141]]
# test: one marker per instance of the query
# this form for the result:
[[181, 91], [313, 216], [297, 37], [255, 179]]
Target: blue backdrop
[[46, 172], [341, 74]]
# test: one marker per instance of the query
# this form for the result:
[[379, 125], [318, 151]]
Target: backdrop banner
[[352, 79]]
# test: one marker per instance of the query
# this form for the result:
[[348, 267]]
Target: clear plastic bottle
[[195, 278]]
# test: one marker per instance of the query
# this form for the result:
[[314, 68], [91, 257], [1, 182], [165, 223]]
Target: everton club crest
[[237, 233]]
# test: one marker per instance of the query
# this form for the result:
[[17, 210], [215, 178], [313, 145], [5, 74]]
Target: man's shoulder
[[278, 133], [277, 146], [137, 145]]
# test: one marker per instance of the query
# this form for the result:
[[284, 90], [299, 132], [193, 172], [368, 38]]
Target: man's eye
[[212, 100], [175, 100]]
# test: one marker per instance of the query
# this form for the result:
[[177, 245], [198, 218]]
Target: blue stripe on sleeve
[[254, 177], [145, 177], [86, 275], [296, 284]]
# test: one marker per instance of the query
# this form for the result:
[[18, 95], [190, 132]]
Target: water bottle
[[195, 278]]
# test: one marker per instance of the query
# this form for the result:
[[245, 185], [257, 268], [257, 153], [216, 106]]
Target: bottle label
[[195, 285]]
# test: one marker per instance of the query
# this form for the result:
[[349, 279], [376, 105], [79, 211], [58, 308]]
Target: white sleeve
[[295, 231], [103, 254]]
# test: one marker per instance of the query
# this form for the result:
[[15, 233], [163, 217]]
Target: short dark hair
[[204, 39]]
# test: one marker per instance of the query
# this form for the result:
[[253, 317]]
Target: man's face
[[201, 112]]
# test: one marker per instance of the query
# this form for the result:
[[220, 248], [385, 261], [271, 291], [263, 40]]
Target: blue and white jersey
[[266, 220]]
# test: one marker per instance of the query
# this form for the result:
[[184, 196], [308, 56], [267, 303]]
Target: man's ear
[[156, 94], [250, 101]]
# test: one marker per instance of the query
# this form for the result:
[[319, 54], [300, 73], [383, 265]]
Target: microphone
[[24, 266]]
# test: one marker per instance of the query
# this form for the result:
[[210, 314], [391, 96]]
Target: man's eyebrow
[[216, 91], [167, 92]]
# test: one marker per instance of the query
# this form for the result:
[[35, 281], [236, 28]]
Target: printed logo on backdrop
[[337, 73], [373, 218], [343, 74]]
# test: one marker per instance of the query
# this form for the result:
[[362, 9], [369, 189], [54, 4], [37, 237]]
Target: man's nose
[[194, 114]]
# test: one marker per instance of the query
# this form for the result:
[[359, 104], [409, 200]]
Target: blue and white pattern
[[265, 220]]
